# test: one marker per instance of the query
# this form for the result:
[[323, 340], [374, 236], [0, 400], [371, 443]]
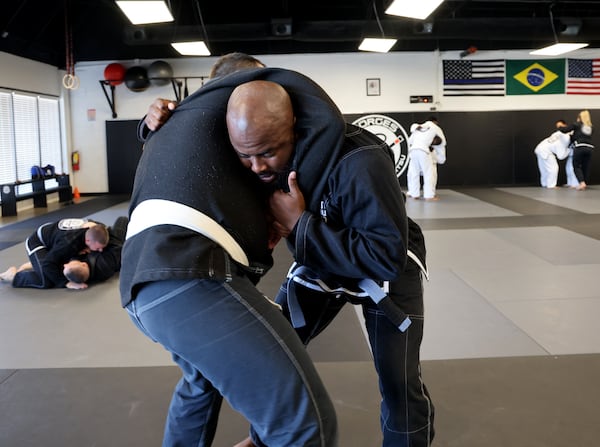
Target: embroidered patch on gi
[[72, 224]]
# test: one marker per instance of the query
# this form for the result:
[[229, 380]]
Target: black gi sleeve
[[363, 231], [104, 264], [53, 264], [143, 132]]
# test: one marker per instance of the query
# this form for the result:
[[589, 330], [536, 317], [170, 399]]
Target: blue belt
[[368, 289]]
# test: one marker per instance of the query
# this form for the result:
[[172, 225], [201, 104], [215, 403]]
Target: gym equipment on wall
[[160, 73], [136, 79]]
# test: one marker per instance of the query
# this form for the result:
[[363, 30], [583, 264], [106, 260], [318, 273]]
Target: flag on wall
[[527, 77], [474, 77], [583, 77]]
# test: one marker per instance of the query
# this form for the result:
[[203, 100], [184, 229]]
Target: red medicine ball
[[114, 74]]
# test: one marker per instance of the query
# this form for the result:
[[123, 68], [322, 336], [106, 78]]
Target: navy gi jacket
[[355, 226]]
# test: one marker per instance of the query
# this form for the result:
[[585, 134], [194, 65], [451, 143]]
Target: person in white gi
[[424, 156], [556, 146]]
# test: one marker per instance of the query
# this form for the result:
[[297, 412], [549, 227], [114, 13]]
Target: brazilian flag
[[527, 77]]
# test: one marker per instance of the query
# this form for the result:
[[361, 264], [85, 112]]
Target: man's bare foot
[[245, 443], [433, 199], [9, 275]]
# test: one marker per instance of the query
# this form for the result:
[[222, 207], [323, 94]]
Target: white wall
[[24, 74], [342, 75]]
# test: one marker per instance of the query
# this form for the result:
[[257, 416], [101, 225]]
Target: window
[[8, 166], [30, 134]]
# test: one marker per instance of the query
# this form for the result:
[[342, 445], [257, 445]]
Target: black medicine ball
[[136, 79]]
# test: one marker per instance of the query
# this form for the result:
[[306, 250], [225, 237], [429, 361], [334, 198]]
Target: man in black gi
[[95, 267], [197, 241], [347, 229]]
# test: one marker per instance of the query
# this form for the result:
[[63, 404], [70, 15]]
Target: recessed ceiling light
[[417, 9], [140, 12], [558, 48], [377, 45], [198, 48]]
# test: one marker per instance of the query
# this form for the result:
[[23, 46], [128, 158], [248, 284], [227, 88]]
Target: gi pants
[[548, 170], [406, 409], [36, 251], [421, 161], [582, 156], [230, 341]]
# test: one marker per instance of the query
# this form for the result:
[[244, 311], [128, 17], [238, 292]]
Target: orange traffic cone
[[76, 194]]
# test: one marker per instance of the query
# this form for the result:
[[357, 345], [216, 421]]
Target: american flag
[[583, 77], [474, 78]]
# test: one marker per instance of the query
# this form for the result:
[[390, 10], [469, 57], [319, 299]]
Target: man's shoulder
[[362, 148], [358, 137]]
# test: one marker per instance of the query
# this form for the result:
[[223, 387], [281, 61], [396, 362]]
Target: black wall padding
[[496, 148], [123, 151], [484, 148]]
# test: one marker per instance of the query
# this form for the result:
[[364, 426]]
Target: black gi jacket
[[62, 246], [582, 135], [191, 161]]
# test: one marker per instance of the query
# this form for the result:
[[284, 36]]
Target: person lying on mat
[[84, 267]]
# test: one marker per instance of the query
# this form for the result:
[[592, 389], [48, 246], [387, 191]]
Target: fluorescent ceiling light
[[558, 48], [417, 9], [378, 45], [140, 12], [198, 48]]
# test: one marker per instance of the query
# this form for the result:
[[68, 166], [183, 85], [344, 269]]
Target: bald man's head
[[76, 271], [260, 121]]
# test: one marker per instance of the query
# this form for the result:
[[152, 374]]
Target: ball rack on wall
[[176, 82]]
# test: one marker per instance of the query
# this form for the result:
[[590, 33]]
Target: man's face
[[94, 246], [266, 152]]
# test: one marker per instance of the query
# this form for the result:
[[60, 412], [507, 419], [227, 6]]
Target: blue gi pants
[[406, 409], [230, 341]]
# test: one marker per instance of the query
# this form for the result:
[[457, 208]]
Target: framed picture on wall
[[373, 86]]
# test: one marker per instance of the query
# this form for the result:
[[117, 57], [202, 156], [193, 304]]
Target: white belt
[[153, 212], [427, 151]]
